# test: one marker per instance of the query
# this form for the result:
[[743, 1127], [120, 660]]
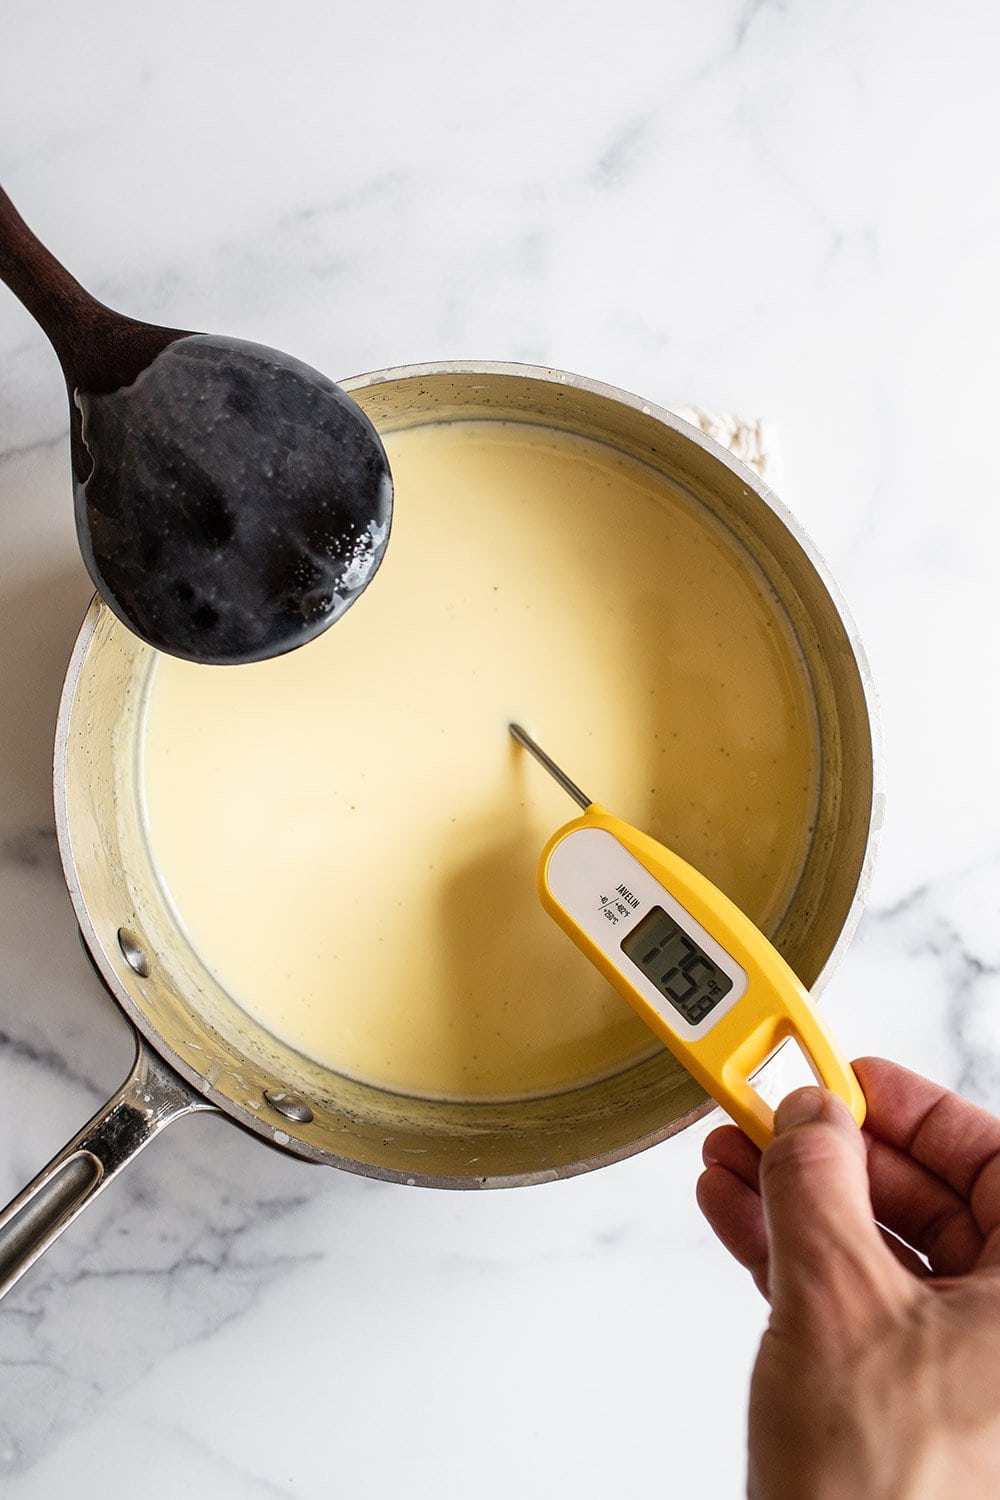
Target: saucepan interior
[[228, 1057]]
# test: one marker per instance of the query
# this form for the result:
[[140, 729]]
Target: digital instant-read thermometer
[[688, 961]]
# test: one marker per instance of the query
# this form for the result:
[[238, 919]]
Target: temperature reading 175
[[673, 961], [690, 963]]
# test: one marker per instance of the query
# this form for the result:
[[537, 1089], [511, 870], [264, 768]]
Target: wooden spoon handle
[[99, 350], [55, 299]]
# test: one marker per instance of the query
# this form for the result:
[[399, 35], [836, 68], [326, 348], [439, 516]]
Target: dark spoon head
[[236, 504]]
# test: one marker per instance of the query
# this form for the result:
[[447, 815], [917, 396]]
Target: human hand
[[879, 1373]]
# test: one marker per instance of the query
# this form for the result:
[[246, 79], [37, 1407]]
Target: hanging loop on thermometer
[[693, 966]]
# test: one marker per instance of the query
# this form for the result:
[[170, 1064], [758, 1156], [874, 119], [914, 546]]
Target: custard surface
[[349, 836]]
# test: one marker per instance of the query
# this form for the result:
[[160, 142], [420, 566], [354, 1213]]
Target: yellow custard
[[349, 836]]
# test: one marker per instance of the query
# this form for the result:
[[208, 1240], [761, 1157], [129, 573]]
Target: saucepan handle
[[151, 1097]]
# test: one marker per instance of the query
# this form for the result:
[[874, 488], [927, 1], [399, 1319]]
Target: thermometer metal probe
[[693, 966]]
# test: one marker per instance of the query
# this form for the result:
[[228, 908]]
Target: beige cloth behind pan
[[747, 439]]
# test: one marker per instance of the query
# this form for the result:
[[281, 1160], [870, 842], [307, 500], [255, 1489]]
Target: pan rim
[[295, 1145]]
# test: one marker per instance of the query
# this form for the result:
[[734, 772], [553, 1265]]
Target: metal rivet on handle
[[134, 953], [292, 1106]]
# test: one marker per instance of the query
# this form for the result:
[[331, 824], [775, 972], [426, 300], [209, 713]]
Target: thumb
[[828, 1263]]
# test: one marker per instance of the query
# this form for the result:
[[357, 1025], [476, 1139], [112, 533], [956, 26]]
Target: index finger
[[956, 1140]]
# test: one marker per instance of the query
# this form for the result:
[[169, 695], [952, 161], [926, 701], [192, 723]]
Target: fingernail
[[798, 1109]]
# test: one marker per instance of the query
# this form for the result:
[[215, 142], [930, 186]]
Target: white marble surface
[[783, 210]]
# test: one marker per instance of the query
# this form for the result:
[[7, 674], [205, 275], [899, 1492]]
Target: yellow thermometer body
[[701, 975]]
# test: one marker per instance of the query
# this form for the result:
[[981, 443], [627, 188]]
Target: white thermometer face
[[677, 966]]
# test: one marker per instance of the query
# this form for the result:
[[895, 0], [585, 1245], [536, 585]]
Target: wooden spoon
[[231, 502]]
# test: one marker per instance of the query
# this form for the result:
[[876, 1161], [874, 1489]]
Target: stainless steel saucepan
[[197, 1050]]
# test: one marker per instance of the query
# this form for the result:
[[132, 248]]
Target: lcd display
[[673, 962]]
